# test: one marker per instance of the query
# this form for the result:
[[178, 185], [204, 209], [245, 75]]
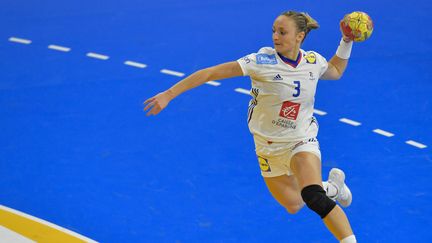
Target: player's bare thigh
[[286, 191], [307, 169]]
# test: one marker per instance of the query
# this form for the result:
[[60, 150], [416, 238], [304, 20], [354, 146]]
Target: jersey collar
[[292, 63]]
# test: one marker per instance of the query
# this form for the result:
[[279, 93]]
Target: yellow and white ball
[[357, 25]]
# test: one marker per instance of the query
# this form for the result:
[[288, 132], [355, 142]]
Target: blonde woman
[[280, 117]]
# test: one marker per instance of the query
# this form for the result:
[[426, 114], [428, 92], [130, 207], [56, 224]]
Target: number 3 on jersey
[[297, 88]]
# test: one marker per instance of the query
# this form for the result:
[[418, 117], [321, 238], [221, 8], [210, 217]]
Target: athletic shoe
[[337, 178]]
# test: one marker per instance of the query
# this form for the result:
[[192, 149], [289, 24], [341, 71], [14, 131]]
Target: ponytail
[[303, 21], [311, 23]]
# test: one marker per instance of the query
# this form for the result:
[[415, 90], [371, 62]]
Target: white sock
[[349, 239], [331, 190]]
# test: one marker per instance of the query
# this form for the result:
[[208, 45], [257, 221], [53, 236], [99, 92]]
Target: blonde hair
[[304, 22]]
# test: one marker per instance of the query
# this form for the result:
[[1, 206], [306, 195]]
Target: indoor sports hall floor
[[77, 150]]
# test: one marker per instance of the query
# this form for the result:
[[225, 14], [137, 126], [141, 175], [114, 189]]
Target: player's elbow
[[338, 76], [337, 73], [334, 71], [204, 74], [332, 76], [212, 73]]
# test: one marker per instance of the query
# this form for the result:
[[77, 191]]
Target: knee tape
[[316, 199]]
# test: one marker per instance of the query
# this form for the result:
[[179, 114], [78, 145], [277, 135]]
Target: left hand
[[345, 37]]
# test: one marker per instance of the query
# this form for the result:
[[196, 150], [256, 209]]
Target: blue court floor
[[77, 150]]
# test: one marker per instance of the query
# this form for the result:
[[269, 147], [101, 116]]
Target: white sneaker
[[337, 178]]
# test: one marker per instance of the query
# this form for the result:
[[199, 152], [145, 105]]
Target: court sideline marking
[[97, 56], [19, 40], [59, 48], [7, 235], [384, 133], [37, 229], [350, 122], [135, 64]]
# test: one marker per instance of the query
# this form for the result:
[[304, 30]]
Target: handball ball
[[357, 25]]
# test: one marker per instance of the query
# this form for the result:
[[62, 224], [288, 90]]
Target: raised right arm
[[221, 71]]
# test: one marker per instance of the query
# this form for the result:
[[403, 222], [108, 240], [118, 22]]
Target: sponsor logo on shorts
[[289, 110], [266, 59], [264, 165]]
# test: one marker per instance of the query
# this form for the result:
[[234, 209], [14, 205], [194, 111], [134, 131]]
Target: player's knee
[[293, 209], [316, 199]]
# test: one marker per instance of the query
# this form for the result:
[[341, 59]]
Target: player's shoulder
[[266, 55], [313, 57], [266, 50]]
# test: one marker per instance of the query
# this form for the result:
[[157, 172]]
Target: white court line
[[19, 40], [384, 133], [321, 113], [171, 72], [243, 91], [41, 221], [59, 48], [213, 83], [135, 64], [7, 235], [350, 122], [416, 144], [97, 56]]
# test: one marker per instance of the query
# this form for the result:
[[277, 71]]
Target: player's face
[[286, 39]]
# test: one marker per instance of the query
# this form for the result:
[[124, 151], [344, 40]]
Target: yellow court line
[[37, 229]]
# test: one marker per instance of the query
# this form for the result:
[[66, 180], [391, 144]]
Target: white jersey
[[283, 94]]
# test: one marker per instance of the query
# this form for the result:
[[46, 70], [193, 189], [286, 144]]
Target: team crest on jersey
[[264, 165], [289, 110], [266, 59], [311, 58]]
